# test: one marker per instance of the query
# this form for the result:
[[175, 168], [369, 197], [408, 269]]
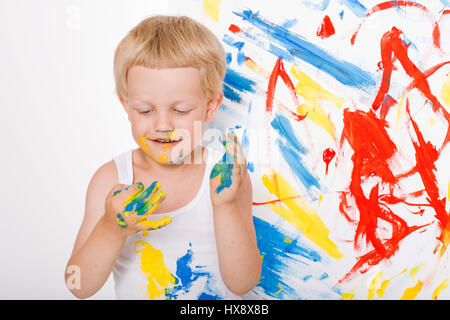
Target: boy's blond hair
[[171, 42]]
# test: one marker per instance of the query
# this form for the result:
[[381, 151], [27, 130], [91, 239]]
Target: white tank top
[[178, 261]]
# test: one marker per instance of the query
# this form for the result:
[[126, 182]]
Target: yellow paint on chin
[[299, 213], [154, 269], [160, 158], [212, 8], [312, 92], [411, 293]]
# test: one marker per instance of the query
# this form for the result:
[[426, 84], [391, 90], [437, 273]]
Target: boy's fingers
[[153, 225], [130, 202], [117, 188], [148, 193], [151, 205]]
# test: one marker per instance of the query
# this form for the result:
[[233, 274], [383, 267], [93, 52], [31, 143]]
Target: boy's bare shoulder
[[106, 174]]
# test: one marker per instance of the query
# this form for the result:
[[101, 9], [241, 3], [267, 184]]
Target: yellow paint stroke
[[212, 8], [384, 284], [255, 68], [445, 241], [400, 109], [300, 214], [287, 240], [154, 269], [281, 288], [438, 290], [445, 91], [411, 293], [374, 285], [414, 271], [312, 92], [349, 295]]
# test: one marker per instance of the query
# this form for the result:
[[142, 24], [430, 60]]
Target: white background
[[60, 121]]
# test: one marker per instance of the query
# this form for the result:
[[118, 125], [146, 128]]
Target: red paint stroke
[[388, 102], [393, 4], [326, 28], [274, 201], [392, 46], [278, 71], [426, 156], [234, 28], [327, 156], [373, 148]]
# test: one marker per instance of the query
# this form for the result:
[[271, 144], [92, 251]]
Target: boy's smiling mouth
[[166, 141]]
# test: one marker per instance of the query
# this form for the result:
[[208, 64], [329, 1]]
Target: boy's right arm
[[106, 225], [96, 246]]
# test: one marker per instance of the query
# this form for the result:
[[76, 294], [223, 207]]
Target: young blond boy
[[199, 241]]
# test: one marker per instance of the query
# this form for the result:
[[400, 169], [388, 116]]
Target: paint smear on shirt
[[154, 269], [189, 274]]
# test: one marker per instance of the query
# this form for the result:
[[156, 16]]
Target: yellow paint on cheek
[[212, 8], [411, 293], [445, 91], [154, 269], [299, 213], [438, 290]]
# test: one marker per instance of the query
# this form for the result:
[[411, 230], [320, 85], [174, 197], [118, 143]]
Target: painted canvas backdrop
[[342, 109]]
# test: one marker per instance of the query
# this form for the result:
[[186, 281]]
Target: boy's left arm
[[231, 195]]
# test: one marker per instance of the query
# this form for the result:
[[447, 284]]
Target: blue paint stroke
[[284, 258], [230, 94], [284, 128], [317, 6], [297, 47], [229, 57], [289, 23], [245, 146], [234, 83], [292, 150], [233, 43], [356, 7], [188, 275], [239, 81], [241, 58]]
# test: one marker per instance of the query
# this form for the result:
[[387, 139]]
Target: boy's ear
[[214, 104], [125, 106]]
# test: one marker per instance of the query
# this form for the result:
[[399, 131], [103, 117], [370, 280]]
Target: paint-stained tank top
[[178, 261]]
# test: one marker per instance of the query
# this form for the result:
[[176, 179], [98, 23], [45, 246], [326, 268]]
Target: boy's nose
[[164, 123]]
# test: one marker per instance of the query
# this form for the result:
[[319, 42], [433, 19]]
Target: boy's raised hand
[[127, 207], [228, 174]]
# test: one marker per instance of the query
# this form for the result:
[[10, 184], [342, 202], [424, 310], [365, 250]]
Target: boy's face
[[164, 106]]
